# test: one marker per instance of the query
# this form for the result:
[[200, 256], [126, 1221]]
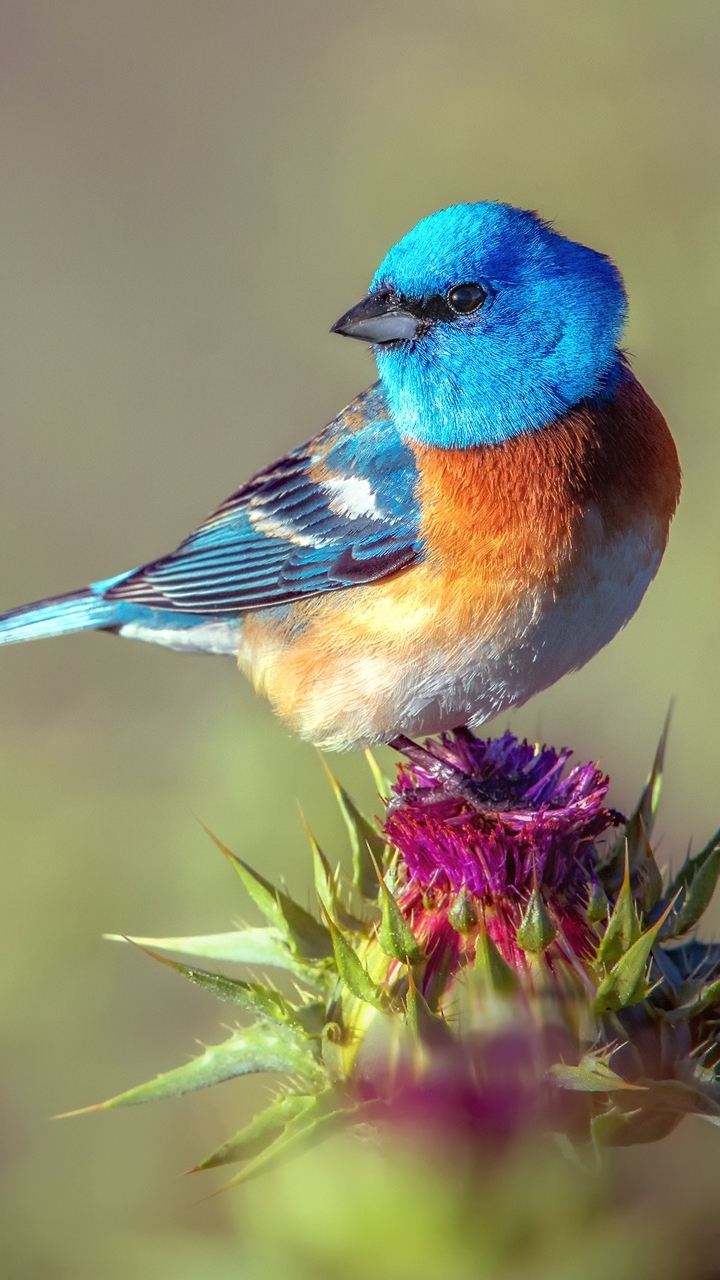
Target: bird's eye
[[464, 298]]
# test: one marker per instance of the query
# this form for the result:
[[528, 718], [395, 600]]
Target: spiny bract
[[506, 956]]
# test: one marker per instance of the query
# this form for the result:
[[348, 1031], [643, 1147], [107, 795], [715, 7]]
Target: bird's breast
[[535, 553], [535, 510]]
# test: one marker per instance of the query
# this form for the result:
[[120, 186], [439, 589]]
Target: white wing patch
[[351, 496], [275, 527]]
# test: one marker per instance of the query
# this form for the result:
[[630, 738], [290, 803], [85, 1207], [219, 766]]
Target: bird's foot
[[450, 782]]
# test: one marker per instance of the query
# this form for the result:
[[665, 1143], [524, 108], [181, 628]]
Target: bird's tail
[[90, 610], [76, 611]]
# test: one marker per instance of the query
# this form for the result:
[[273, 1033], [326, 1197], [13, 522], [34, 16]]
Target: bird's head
[[486, 324]]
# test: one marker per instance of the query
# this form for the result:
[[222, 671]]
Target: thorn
[[217, 841], [79, 1111], [213, 1194]]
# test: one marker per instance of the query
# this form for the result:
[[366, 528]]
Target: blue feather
[[332, 514], [90, 609], [77, 611], [336, 512], [545, 338]]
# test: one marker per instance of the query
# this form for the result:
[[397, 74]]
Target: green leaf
[[605, 1127], [705, 998], [263, 1129], [437, 982], [264, 948], [306, 1130], [645, 877], [395, 935], [382, 782], [366, 843], [327, 889], [623, 927], [325, 881], [598, 906], [353, 972], [676, 1095], [647, 806], [591, 1075], [696, 881], [428, 1027], [462, 914], [537, 930], [257, 999], [264, 1047], [645, 1124], [495, 973], [625, 983], [305, 935], [691, 866]]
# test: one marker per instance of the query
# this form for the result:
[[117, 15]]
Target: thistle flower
[[504, 957], [495, 834]]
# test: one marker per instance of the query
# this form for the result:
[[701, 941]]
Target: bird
[[478, 522]]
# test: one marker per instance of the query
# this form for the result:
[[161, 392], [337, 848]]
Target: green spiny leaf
[[333, 1050], [592, 1075], [705, 998], [634, 844], [325, 881], [645, 875], [304, 1131], [648, 804], [366, 843], [327, 888], [676, 1095], [264, 1002], [305, 935], [623, 927], [436, 984], [462, 914], [691, 866], [263, 1129], [496, 976], [643, 1124], [395, 935], [537, 930], [382, 783], [625, 984], [264, 948], [696, 881], [598, 906], [427, 1026], [605, 1127], [263, 1047], [353, 972]]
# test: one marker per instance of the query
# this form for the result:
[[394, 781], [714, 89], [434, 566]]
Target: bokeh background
[[192, 191]]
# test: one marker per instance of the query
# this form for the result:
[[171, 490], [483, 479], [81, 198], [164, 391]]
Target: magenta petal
[[495, 816]]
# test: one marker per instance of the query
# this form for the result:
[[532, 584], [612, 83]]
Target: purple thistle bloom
[[489, 820]]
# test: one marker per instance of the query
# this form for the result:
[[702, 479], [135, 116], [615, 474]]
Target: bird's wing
[[337, 512]]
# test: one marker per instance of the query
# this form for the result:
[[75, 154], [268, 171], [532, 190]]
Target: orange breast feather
[[513, 515], [503, 527]]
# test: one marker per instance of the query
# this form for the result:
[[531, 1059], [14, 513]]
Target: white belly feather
[[374, 694]]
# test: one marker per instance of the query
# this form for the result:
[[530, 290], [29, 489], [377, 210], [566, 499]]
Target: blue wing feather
[[339, 511]]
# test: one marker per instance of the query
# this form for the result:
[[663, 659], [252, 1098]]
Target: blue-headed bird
[[478, 522]]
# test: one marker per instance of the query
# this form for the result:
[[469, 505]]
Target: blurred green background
[[192, 191]]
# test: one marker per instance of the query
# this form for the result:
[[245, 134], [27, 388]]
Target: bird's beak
[[378, 318]]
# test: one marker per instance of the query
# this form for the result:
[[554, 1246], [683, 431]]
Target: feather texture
[[336, 512]]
